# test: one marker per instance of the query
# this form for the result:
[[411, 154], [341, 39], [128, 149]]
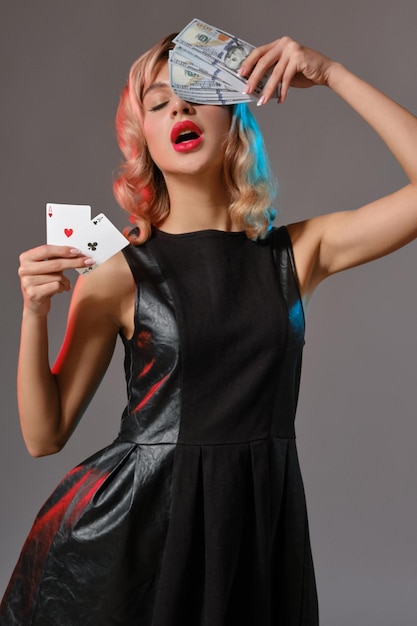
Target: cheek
[[225, 125], [227, 117], [221, 120], [153, 140], [148, 132]]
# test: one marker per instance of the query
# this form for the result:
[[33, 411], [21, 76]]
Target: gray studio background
[[63, 65]]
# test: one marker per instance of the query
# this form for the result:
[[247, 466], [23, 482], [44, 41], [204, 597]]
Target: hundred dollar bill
[[196, 87], [215, 48], [219, 46], [233, 81], [188, 62], [185, 72], [219, 97]]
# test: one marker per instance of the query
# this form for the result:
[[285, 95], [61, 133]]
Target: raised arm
[[51, 401], [338, 241]]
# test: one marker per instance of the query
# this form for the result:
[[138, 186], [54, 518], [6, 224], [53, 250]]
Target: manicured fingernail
[[89, 261], [261, 101], [75, 251]]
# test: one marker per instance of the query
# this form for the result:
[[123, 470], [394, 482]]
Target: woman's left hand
[[293, 66]]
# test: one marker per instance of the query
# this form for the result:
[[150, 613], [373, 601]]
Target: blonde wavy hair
[[140, 186]]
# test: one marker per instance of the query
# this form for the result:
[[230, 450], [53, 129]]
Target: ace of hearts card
[[64, 221]]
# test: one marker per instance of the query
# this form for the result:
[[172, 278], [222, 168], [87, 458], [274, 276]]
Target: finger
[[52, 265], [263, 59], [48, 251], [273, 84], [287, 78], [289, 66], [264, 63], [37, 295], [283, 75], [43, 279], [252, 59]]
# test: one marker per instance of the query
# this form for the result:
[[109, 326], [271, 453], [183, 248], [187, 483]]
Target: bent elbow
[[37, 450]]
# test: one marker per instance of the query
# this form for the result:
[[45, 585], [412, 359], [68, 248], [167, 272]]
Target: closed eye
[[158, 107]]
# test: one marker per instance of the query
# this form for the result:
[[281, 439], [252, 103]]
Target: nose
[[179, 106]]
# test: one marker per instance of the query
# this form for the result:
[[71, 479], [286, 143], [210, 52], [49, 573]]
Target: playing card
[[100, 240], [63, 221]]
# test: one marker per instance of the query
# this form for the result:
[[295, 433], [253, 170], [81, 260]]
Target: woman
[[196, 513]]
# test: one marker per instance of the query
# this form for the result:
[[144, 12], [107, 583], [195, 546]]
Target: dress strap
[[284, 259], [287, 393]]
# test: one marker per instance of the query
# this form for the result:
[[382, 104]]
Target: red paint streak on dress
[[62, 514], [146, 368], [144, 339], [152, 391], [144, 342], [49, 521]]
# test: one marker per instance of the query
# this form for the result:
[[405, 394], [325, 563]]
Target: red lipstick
[[186, 136]]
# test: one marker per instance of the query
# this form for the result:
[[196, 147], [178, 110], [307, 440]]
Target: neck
[[196, 204]]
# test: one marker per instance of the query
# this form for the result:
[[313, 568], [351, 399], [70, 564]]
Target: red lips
[[186, 136]]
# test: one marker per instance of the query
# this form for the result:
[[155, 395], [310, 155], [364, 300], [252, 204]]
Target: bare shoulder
[[110, 291]]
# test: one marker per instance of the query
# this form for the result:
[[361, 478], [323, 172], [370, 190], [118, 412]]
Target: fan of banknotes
[[204, 65]]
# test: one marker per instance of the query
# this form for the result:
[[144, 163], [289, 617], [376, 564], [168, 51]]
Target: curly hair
[[140, 187]]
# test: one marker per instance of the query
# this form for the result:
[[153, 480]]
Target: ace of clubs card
[[100, 240]]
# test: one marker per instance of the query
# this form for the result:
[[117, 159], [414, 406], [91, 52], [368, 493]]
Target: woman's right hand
[[42, 275]]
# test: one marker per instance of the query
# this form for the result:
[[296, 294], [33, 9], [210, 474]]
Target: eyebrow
[[158, 85]]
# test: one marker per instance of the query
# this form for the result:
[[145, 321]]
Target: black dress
[[195, 515]]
